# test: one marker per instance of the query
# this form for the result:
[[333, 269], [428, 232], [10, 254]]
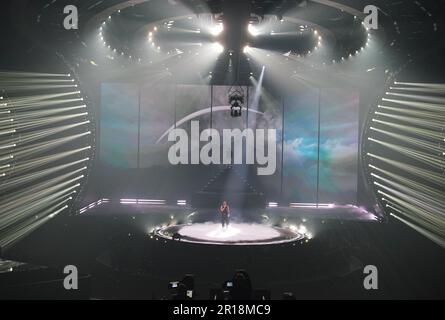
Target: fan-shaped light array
[[45, 149], [405, 155]]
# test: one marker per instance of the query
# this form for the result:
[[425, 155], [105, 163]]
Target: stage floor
[[234, 234]]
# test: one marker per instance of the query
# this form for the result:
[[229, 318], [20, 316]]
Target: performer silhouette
[[224, 210]]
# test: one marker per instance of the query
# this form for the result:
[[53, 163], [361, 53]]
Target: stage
[[187, 214], [261, 226], [234, 234]]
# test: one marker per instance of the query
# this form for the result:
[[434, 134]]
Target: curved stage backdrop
[[316, 149]]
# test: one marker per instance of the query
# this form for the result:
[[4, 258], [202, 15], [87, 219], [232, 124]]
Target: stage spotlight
[[219, 47], [252, 30], [216, 30], [302, 229]]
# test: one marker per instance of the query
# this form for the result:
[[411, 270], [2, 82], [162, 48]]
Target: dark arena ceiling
[[304, 36]]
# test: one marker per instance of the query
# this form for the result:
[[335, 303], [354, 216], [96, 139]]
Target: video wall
[[321, 133], [317, 139]]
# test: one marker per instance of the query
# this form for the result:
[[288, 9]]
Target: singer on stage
[[224, 210]]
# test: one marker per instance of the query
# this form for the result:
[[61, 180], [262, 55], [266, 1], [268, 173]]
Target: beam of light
[[417, 97], [414, 216], [36, 135], [6, 121], [28, 165], [28, 226], [28, 210], [421, 85], [43, 103], [45, 188], [422, 144], [33, 205], [7, 146], [4, 132], [420, 122], [412, 130], [414, 89], [37, 81], [415, 113], [26, 204], [302, 70], [29, 87], [180, 65], [29, 124], [287, 33], [417, 192], [45, 113], [419, 172], [28, 75], [26, 151], [22, 230], [437, 239], [41, 97], [178, 30], [26, 178], [184, 45], [417, 213], [408, 185], [420, 206], [426, 158], [258, 89], [419, 105]]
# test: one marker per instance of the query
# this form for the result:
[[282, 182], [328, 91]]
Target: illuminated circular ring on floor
[[234, 234]]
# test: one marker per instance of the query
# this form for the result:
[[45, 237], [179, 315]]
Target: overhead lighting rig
[[236, 101]]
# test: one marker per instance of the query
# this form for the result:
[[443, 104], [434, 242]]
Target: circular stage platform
[[234, 234]]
